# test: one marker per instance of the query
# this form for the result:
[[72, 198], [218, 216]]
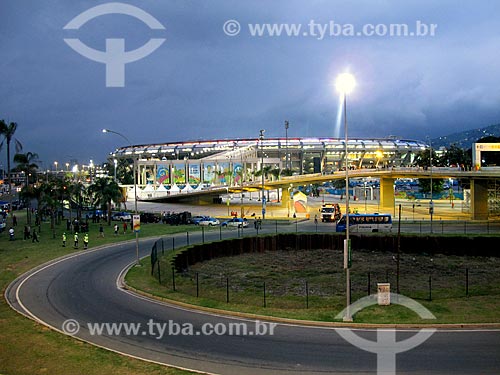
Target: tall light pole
[[287, 125], [431, 203], [345, 84], [263, 198], [135, 190], [115, 162]]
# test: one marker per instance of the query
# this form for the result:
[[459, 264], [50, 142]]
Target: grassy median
[[310, 285], [30, 348]]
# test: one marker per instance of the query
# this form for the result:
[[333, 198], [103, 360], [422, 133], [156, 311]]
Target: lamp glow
[[345, 83]]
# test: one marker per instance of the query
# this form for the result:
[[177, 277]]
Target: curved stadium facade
[[234, 162]]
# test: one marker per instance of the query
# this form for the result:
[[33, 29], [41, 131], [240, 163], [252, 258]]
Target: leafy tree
[[425, 185], [455, 155], [276, 173], [104, 191], [78, 194], [423, 159], [124, 171], [27, 163]]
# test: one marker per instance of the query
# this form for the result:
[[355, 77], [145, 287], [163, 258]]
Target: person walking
[[11, 234], [125, 227], [64, 239], [76, 240], [86, 241], [26, 232], [115, 228], [101, 231], [34, 238]]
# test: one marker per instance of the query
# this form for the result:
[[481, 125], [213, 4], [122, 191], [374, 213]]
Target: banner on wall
[[163, 174], [237, 173], [209, 173], [179, 173], [223, 173], [194, 174]]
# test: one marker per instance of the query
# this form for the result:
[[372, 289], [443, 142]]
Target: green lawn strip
[[30, 348], [449, 303]]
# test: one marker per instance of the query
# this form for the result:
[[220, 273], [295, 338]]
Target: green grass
[[285, 273], [30, 348]]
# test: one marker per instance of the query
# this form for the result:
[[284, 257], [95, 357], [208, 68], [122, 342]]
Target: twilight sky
[[202, 83]]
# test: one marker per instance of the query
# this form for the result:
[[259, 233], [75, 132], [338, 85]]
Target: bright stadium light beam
[[344, 84], [338, 123]]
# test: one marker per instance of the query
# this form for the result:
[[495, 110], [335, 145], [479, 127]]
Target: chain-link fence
[[288, 271]]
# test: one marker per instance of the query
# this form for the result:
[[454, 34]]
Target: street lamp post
[[115, 162], [263, 198], [287, 125], [431, 203], [135, 190], [345, 84]]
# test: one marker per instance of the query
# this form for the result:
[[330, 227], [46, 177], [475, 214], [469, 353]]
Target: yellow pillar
[[285, 197], [479, 199], [286, 201], [387, 194]]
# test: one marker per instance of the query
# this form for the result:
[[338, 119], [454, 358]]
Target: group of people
[[124, 226], [27, 233], [76, 240]]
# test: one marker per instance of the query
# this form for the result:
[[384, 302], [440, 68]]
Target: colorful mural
[[179, 173], [209, 173], [237, 173], [163, 174], [194, 174], [223, 173]]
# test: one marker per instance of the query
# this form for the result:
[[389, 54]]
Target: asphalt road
[[84, 288]]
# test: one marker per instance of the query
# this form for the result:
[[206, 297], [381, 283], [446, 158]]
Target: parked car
[[196, 219], [148, 217], [121, 216], [236, 222], [209, 221], [176, 218]]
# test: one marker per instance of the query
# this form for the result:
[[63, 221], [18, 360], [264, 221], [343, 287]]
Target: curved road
[[84, 287]]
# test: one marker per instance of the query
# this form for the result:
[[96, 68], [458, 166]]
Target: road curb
[[307, 323]]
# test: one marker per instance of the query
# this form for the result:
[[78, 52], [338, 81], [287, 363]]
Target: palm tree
[[79, 195], [26, 164], [8, 131], [105, 191]]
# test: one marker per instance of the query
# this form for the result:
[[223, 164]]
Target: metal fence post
[[197, 285], [307, 295], [467, 282], [159, 273], [173, 279], [265, 294], [430, 288]]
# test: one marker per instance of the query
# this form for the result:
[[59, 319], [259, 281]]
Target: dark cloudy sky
[[204, 84]]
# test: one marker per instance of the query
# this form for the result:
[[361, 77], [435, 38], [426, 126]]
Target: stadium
[[238, 161]]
